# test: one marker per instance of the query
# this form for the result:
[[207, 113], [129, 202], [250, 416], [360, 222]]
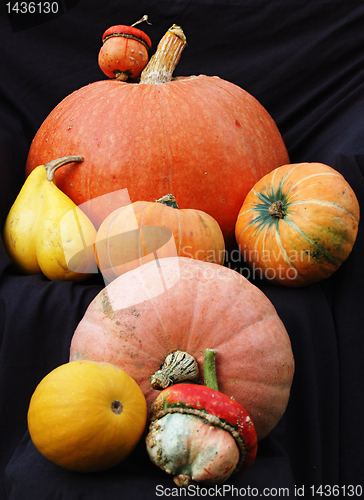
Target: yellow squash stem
[[52, 165]]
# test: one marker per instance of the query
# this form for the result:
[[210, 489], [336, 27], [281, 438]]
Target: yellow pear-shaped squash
[[87, 416], [45, 232], [21, 223]]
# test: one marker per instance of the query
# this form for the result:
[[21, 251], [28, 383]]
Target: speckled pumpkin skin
[[202, 305]]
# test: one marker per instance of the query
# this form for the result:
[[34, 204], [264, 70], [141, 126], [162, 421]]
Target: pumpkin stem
[[209, 369], [52, 166], [179, 366], [168, 200], [162, 64], [276, 210]]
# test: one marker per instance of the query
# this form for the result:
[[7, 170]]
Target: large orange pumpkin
[[298, 224], [202, 138], [135, 234], [190, 305]]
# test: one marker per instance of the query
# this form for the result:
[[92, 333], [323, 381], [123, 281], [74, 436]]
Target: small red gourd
[[197, 433], [186, 304], [202, 138], [125, 51], [121, 247], [298, 224]]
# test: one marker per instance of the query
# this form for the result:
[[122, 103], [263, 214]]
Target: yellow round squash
[[87, 416]]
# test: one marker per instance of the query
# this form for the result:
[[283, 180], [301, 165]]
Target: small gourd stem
[[121, 76], [209, 369], [144, 18], [168, 200], [52, 166], [162, 64]]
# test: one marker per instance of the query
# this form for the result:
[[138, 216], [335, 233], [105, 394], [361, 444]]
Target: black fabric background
[[304, 61]]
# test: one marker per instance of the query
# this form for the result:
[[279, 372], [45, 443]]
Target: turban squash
[[202, 138], [125, 51], [190, 305]]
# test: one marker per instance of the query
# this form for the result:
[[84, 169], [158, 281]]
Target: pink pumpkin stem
[[209, 369]]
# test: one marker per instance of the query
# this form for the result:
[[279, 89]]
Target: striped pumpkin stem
[[162, 64], [178, 366]]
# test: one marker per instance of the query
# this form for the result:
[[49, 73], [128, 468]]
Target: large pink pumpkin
[[202, 138], [193, 305]]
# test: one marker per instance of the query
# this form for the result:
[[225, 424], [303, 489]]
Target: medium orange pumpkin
[[190, 305], [298, 224], [202, 138], [121, 247]]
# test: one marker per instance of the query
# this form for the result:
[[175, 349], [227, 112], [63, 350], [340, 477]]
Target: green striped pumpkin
[[298, 224]]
